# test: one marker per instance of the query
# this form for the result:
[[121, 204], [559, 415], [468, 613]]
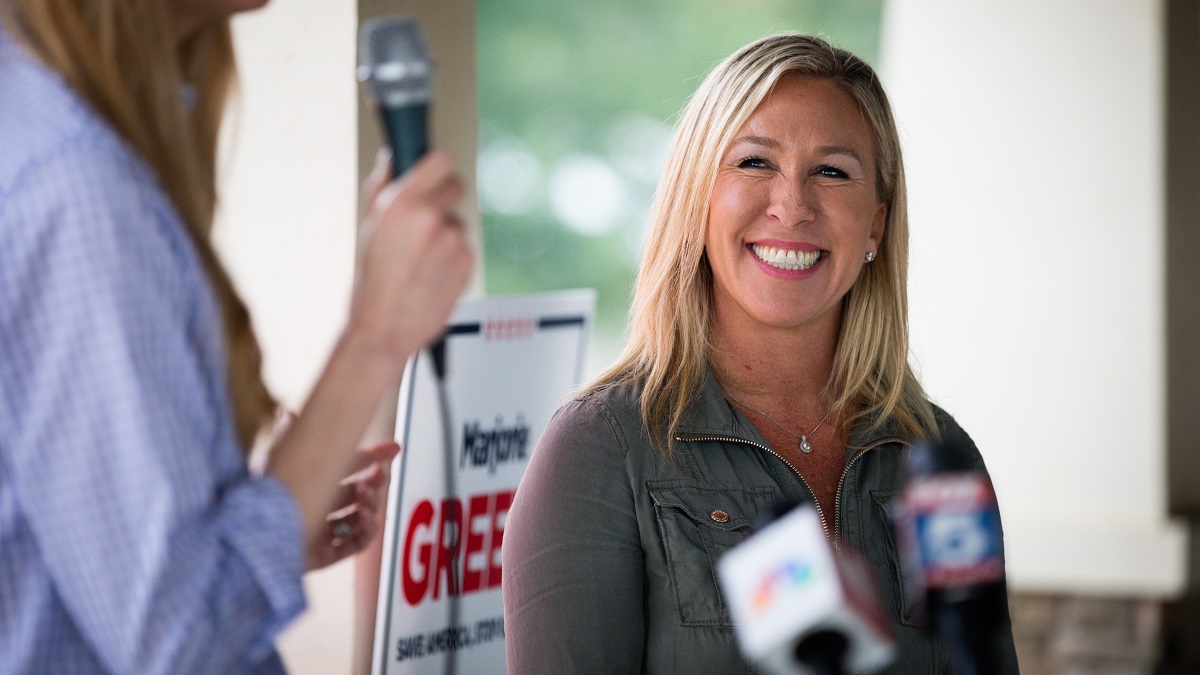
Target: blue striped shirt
[[132, 537]]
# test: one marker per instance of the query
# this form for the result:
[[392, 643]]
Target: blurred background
[[1053, 154], [577, 104]]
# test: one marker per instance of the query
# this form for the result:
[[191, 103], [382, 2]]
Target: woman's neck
[[777, 368]]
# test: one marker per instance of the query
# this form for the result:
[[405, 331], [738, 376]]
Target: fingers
[[432, 181], [415, 260], [360, 511], [358, 533], [365, 487], [431, 175], [378, 177], [351, 529], [379, 455], [347, 536]]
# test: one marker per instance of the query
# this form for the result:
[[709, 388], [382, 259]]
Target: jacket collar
[[711, 414]]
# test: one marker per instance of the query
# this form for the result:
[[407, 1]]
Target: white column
[[1033, 133], [290, 186]]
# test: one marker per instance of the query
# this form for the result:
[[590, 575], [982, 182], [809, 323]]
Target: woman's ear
[[878, 226]]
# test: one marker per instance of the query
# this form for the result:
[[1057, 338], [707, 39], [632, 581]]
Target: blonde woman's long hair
[[122, 57], [668, 345]]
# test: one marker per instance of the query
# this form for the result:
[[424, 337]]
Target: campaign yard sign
[[508, 363]]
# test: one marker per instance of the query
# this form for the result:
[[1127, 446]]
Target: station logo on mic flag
[[786, 586], [956, 529], [791, 574], [778, 579]]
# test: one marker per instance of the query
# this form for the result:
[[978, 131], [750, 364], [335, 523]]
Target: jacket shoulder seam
[[609, 417]]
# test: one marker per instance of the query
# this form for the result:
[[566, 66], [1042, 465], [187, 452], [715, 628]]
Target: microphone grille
[[394, 61]]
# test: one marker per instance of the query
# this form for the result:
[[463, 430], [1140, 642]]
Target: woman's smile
[[785, 258]]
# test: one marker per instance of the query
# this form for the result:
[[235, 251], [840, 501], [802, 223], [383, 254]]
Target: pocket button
[[718, 516]]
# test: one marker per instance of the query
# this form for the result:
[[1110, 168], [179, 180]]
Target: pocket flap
[[719, 507]]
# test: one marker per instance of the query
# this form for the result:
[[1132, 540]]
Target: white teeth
[[786, 259]]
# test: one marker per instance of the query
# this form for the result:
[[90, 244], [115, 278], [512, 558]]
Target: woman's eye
[[752, 163], [831, 172]]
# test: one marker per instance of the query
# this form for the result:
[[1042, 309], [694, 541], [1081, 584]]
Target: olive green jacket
[[609, 551]]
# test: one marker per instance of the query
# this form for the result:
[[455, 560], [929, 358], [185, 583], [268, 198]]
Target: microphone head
[[950, 522], [394, 61], [785, 584]]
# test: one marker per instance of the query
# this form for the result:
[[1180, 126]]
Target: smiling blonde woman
[[767, 363]]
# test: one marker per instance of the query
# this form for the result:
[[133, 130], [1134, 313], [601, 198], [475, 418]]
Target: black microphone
[[395, 65], [799, 606], [949, 524]]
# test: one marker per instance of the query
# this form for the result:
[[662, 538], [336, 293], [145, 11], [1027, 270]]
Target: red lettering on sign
[[474, 578], [441, 557], [509, 329], [414, 589], [450, 531]]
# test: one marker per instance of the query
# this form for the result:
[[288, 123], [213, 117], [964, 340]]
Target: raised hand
[[359, 512], [414, 260], [413, 264]]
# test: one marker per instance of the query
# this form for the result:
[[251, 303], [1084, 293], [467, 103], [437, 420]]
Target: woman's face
[[794, 209], [192, 15]]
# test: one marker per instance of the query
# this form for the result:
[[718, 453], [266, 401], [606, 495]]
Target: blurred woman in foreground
[[133, 538]]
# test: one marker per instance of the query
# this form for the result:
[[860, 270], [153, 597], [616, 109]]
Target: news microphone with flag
[[395, 65], [799, 607], [949, 525]]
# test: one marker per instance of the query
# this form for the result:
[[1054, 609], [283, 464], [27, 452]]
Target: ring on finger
[[342, 530]]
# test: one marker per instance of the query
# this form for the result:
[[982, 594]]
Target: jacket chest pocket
[[903, 593], [698, 525]]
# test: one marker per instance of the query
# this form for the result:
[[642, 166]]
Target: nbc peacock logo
[[786, 579]]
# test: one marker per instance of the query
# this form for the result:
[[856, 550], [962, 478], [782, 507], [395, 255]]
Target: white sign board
[[509, 363]]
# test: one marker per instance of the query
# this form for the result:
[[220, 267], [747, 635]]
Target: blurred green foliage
[[604, 80]]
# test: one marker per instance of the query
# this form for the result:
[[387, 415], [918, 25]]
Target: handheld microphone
[[801, 608], [395, 65], [950, 531]]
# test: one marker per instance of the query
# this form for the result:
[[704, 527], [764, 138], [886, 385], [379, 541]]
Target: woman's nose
[[792, 201]]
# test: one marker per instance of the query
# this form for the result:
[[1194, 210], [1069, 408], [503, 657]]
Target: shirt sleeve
[[573, 565], [115, 428]]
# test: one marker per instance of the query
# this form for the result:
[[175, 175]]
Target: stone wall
[[1065, 635]]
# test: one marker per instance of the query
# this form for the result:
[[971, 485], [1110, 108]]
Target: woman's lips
[[786, 259]]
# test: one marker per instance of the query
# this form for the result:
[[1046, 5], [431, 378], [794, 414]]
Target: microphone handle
[[969, 631], [407, 129], [823, 652]]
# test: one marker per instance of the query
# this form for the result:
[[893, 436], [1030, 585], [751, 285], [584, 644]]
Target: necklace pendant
[[805, 446]]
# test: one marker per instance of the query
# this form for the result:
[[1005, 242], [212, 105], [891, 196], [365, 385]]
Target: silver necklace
[[805, 446]]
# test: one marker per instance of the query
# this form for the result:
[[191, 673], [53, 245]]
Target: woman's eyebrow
[[764, 141], [768, 142], [839, 150]]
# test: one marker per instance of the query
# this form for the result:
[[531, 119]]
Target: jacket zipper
[[734, 439], [837, 498]]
